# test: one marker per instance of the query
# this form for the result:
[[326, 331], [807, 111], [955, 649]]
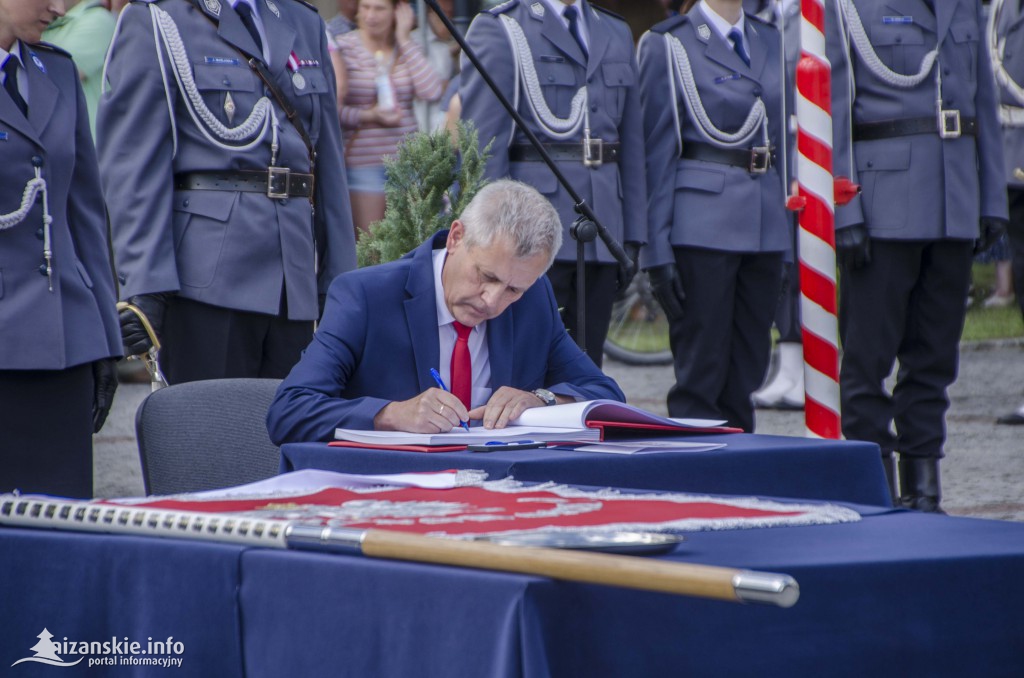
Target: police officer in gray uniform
[[59, 337], [713, 88], [569, 68], [222, 168], [1005, 41], [913, 83]]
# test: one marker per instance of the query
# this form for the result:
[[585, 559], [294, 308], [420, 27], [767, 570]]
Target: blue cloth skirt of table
[[763, 465], [897, 594]]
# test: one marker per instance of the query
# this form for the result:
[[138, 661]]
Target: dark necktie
[[737, 45], [245, 13], [573, 17], [11, 84], [462, 367]]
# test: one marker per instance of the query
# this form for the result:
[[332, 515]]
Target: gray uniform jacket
[[229, 249], [1009, 32], [75, 322], [694, 203], [615, 191], [918, 187]]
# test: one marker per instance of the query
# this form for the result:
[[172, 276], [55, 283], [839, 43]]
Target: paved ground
[[982, 474]]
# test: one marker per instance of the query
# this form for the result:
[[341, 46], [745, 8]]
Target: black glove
[[633, 253], [134, 335], [667, 287], [104, 377], [853, 246], [991, 229]]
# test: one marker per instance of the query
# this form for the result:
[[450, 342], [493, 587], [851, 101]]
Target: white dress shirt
[[478, 353]]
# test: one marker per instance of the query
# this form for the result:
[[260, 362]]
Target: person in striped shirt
[[380, 71]]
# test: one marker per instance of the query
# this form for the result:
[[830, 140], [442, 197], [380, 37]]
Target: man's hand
[[632, 250], [433, 411], [134, 334], [506, 404], [104, 379], [667, 287], [853, 246], [991, 229]]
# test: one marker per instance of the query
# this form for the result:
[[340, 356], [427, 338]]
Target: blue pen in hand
[[440, 382]]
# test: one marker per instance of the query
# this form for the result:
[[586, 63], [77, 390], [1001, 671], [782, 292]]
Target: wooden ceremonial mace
[[702, 581]]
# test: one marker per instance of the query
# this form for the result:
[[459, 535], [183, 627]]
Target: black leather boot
[[919, 484], [889, 464]]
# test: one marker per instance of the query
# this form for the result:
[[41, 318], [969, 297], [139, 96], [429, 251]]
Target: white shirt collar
[[719, 23], [444, 316], [14, 53]]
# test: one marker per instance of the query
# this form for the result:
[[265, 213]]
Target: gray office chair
[[205, 435]]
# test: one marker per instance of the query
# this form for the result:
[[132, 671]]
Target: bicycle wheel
[[638, 333]]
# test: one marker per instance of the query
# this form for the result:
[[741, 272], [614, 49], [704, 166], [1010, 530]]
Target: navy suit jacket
[[378, 339]]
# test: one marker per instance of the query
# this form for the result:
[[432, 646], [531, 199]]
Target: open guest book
[[587, 421]]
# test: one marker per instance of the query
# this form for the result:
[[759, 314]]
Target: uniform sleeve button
[[37, 161], [121, 278], [42, 269]]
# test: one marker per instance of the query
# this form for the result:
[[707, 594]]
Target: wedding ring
[[441, 411]]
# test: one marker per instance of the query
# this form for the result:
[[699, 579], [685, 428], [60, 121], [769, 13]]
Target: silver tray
[[608, 542]]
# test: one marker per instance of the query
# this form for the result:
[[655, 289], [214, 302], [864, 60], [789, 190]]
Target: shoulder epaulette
[[503, 7], [49, 47], [757, 19], [309, 4], [669, 23], [610, 13]]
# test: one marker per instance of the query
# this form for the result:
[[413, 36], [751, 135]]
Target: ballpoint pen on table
[[440, 382]]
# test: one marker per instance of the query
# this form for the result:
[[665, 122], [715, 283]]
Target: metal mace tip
[[766, 587]]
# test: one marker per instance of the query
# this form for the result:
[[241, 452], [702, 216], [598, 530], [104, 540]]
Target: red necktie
[[462, 368]]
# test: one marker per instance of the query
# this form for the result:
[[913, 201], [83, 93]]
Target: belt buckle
[[277, 182], [949, 123], [760, 159], [593, 152]]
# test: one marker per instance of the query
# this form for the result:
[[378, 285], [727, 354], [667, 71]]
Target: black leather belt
[[755, 160], [601, 152], [275, 182], [949, 125]]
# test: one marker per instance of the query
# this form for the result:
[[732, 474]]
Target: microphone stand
[[587, 226]]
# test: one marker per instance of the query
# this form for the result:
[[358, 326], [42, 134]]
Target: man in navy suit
[[385, 327]]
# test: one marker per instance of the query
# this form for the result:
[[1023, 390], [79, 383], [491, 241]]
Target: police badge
[[213, 6], [703, 31], [537, 9], [273, 8]]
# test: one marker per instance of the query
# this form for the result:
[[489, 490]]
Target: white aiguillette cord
[[34, 187]]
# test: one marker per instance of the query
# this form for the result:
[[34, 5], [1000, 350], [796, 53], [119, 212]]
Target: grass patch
[[990, 323]]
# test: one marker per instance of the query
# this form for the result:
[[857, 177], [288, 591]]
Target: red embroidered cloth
[[505, 506]]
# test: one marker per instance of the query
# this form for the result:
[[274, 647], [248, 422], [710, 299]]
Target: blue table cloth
[[897, 594], [762, 465]]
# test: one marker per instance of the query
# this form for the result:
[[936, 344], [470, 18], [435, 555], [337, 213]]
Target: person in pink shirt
[[380, 71]]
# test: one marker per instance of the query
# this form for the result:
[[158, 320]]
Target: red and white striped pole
[[816, 240]]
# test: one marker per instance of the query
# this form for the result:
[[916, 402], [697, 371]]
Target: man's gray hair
[[517, 211]]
